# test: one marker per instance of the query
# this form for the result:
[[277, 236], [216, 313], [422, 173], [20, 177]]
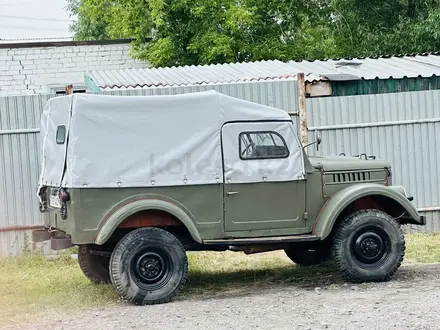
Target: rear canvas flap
[[54, 128]]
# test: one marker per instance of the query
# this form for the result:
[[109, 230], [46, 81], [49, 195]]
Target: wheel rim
[[151, 268], [371, 246]]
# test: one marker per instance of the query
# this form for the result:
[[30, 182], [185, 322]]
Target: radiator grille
[[351, 177]]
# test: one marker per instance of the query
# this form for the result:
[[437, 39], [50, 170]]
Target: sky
[[22, 19]]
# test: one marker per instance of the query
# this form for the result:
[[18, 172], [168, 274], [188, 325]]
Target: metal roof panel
[[400, 66]]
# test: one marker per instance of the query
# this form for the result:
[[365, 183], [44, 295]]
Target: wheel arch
[[133, 205], [392, 200]]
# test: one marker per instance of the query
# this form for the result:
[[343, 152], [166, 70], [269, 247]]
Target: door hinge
[[306, 215]]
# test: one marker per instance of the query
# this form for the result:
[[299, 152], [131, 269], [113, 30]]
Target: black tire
[[95, 267], [148, 266], [368, 246], [307, 254]]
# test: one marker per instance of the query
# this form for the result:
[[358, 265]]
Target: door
[[264, 178]]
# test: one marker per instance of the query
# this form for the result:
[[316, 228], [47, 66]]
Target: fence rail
[[402, 128]]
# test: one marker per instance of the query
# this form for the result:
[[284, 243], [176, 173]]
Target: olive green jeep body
[[135, 236]]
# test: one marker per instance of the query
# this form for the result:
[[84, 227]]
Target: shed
[[331, 77]]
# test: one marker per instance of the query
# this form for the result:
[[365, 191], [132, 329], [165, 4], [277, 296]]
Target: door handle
[[232, 193]]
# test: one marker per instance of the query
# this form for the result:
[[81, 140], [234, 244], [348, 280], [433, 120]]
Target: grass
[[31, 284], [421, 248]]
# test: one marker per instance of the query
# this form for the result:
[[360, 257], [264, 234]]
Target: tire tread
[[337, 251], [117, 280]]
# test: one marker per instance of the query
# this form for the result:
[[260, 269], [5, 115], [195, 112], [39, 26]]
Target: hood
[[347, 163]]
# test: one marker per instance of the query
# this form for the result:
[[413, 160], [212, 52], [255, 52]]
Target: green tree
[[187, 32], [83, 27], [374, 28]]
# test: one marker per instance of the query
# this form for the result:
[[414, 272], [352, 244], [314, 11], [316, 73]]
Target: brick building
[[41, 66]]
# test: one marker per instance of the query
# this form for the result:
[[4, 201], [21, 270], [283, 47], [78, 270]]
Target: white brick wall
[[35, 70]]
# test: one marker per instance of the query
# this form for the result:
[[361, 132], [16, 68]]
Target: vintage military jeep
[[136, 181]]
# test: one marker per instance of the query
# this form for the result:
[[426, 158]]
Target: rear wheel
[[148, 266], [94, 262], [368, 246], [308, 254]]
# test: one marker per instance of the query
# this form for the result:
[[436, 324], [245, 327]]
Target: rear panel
[[53, 216], [88, 206]]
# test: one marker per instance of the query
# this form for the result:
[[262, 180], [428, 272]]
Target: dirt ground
[[409, 301]]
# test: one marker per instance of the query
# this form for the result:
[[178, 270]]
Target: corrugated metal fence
[[19, 146], [403, 128], [19, 169]]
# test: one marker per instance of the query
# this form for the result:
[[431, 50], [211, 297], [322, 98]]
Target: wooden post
[[68, 89], [302, 108]]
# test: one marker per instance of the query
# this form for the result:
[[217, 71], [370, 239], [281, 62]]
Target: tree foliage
[[186, 32], [84, 27]]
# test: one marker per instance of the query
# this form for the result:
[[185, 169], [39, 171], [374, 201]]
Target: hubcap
[[151, 267], [371, 247]]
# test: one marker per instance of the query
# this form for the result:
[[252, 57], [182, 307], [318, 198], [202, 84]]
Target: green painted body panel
[[209, 212], [265, 205], [335, 180], [95, 209], [142, 202], [72, 225], [314, 199], [380, 86], [337, 203]]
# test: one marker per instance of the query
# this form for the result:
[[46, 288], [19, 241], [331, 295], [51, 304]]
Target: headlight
[[388, 176]]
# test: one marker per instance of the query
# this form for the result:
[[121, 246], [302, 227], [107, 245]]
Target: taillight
[[64, 196]]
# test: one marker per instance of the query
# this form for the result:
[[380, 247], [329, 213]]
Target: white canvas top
[[138, 141]]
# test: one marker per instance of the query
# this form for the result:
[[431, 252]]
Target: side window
[[61, 134], [262, 145]]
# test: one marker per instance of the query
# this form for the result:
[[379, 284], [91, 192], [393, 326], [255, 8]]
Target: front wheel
[[148, 266], [368, 246]]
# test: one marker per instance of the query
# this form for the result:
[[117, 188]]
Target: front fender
[[138, 203], [339, 201]]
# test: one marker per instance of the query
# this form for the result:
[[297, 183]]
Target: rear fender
[[138, 203], [339, 201]]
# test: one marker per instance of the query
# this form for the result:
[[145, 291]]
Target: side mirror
[[318, 140]]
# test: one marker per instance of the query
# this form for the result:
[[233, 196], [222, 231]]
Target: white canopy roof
[[137, 141]]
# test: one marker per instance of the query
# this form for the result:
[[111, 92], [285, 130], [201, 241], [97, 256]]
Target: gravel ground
[[409, 301]]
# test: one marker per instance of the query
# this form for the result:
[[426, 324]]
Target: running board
[[263, 240]]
